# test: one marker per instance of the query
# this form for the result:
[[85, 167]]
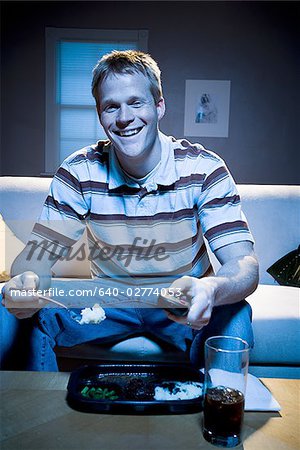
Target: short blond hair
[[128, 61]]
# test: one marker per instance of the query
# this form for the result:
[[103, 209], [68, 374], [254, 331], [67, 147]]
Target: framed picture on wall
[[207, 108]]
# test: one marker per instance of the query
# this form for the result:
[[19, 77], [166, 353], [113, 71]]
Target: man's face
[[129, 115]]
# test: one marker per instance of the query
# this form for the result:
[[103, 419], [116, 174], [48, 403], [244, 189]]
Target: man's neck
[[143, 180], [140, 167]]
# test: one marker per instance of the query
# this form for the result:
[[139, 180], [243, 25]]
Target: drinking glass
[[226, 368]]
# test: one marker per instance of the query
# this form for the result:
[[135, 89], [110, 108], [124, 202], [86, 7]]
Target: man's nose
[[125, 116]]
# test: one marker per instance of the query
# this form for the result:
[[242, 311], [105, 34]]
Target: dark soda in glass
[[223, 416]]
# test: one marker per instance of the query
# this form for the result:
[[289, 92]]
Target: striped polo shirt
[[155, 228]]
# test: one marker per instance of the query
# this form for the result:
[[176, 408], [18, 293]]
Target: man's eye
[[110, 108], [136, 104]]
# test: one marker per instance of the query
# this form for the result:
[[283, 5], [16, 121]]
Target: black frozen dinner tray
[[150, 374]]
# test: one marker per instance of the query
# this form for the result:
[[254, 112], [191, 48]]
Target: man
[[137, 187]]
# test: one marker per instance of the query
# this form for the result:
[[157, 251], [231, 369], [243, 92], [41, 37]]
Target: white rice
[[181, 391], [95, 315]]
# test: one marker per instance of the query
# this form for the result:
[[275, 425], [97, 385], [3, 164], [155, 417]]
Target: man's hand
[[25, 305], [200, 294], [22, 303], [236, 279]]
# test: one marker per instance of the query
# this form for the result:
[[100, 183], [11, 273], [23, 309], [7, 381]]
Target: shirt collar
[[166, 174]]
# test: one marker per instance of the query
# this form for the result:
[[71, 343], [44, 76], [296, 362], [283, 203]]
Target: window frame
[[52, 118]]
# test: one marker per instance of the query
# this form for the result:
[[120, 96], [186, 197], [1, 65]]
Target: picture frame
[[207, 104]]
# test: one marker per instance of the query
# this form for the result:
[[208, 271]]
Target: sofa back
[[273, 213]]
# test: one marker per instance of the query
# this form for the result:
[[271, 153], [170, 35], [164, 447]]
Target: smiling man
[[157, 200]]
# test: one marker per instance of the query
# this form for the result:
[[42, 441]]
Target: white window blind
[[71, 117]]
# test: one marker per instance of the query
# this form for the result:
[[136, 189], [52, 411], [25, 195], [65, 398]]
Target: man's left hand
[[235, 280], [200, 293]]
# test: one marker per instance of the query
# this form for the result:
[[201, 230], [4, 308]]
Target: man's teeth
[[127, 133]]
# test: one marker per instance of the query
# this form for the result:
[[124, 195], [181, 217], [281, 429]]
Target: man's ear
[[161, 108]]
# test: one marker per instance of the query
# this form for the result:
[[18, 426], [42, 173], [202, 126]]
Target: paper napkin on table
[[258, 397]]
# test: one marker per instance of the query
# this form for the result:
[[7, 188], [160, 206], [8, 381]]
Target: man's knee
[[232, 320], [226, 320]]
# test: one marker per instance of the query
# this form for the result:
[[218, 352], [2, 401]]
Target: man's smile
[[128, 133]]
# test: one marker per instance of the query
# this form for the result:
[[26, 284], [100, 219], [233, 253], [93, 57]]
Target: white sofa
[[273, 213]]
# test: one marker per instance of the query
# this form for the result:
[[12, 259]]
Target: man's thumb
[[30, 280]]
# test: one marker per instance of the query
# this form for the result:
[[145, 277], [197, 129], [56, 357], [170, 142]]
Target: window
[[71, 118]]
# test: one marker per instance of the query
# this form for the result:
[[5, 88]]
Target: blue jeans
[[14, 340], [56, 327]]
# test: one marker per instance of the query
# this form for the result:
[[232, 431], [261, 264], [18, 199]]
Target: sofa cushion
[[21, 202], [273, 217], [10, 246], [275, 325]]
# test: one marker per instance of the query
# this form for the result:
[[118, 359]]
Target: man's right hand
[[19, 295]]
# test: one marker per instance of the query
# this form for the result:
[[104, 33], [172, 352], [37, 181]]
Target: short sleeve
[[219, 207], [62, 220]]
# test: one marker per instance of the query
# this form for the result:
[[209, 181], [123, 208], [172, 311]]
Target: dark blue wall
[[253, 44]]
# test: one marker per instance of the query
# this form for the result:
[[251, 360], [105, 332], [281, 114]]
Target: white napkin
[[257, 398]]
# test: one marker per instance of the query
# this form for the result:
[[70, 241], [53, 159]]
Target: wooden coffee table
[[34, 415]]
